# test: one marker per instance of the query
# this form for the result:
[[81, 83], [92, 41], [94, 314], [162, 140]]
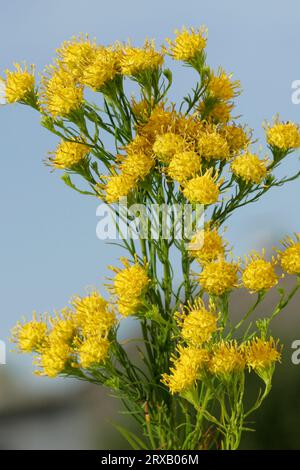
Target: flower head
[[202, 189], [118, 186], [93, 315], [237, 138], [259, 274], [63, 326], [68, 154], [137, 165], [134, 60], [139, 144], [129, 286], [102, 69], [60, 94], [187, 44], [290, 257], [189, 127], [261, 354], [184, 165], [76, 55], [19, 84], [283, 135], [139, 160], [92, 351], [160, 121], [217, 112], [227, 359], [141, 109], [207, 245], [222, 87], [167, 145], [219, 277], [249, 168], [30, 336], [55, 358], [197, 323], [186, 369], [213, 146]]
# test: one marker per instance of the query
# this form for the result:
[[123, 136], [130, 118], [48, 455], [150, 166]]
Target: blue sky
[[48, 244]]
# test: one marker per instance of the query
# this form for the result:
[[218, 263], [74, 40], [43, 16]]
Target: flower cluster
[[187, 368], [224, 360], [77, 337]]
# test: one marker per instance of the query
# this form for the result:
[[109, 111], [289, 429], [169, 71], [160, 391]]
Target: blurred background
[[48, 245]]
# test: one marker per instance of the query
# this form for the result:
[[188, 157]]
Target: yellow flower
[[160, 121], [189, 127], [202, 189], [118, 186], [137, 165], [198, 324], [129, 285], [187, 368], [68, 154], [63, 327], [19, 83], [218, 112], [290, 257], [187, 44], [228, 358], [54, 358], [213, 146], [261, 354], [219, 277], [139, 160], [222, 87], [284, 136], [167, 144], [221, 112], [93, 351], [141, 109], [30, 336], [102, 69], [184, 165], [93, 315], [60, 94], [77, 55], [259, 274], [207, 245], [249, 168], [134, 60], [139, 144], [236, 137]]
